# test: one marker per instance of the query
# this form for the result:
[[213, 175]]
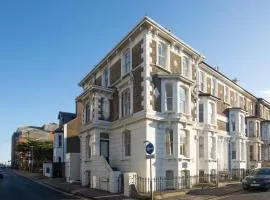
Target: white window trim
[[126, 85], [214, 112], [103, 79], [203, 81], [163, 96], [189, 65], [168, 46], [188, 99], [129, 49]]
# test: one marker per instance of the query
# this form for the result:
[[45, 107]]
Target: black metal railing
[[186, 181]]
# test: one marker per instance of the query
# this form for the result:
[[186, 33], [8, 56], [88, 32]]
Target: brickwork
[[153, 55], [115, 72], [98, 81], [137, 54], [223, 126], [137, 90], [156, 93], [175, 61], [114, 107], [208, 84]]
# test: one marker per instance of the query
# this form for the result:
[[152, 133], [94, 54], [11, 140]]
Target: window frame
[[169, 142], [126, 102], [166, 57], [60, 141], [170, 97], [234, 154], [211, 116], [201, 81], [183, 102], [105, 81], [201, 112], [127, 143], [126, 66], [188, 66]]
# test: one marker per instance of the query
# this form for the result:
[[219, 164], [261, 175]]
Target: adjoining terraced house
[[152, 86]]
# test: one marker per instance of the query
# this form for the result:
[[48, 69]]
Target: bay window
[[242, 124], [211, 114], [183, 100], [251, 129], [233, 122], [168, 96]]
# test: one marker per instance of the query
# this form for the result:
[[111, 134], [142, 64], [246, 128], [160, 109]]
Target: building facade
[[154, 87]]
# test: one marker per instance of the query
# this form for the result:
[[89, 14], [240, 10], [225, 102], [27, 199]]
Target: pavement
[[225, 191], [14, 187], [71, 188]]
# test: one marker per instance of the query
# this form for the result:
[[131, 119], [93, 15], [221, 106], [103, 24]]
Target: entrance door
[[104, 149], [169, 179]]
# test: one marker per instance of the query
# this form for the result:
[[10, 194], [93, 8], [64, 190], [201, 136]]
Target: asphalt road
[[16, 187], [248, 195]]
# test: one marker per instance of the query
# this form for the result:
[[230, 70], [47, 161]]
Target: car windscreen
[[262, 171]]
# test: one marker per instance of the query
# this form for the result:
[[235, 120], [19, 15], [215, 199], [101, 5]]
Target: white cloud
[[264, 94]]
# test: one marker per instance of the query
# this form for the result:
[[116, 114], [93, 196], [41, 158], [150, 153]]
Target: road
[[248, 195], [14, 187]]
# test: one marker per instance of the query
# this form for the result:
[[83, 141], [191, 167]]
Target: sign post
[[149, 150]]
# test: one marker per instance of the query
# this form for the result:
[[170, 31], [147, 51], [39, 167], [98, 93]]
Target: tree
[[40, 151]]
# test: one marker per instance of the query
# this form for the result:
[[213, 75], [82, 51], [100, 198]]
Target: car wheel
[[245, 187]]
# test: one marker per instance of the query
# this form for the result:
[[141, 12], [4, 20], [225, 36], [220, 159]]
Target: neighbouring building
[[22, 134], [154, 87], [64, 142]]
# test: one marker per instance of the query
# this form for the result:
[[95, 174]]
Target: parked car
[[258, 178]]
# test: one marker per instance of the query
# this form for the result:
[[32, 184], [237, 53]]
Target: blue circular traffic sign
[[149, 148]]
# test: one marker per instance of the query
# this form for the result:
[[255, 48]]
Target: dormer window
[[126, 62], [162, 54], [233, 122]]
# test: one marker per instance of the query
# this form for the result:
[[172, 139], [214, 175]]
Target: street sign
[[149, 148], [184, 165]]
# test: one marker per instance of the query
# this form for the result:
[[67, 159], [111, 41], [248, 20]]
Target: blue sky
[[46, 47]]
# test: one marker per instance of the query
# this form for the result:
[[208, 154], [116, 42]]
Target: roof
[[265, 102], [151, 22], [66, 117]]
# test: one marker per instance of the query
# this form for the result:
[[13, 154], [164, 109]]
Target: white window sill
[[125, 158], [163, 68], [182, 157], [169, 157]]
